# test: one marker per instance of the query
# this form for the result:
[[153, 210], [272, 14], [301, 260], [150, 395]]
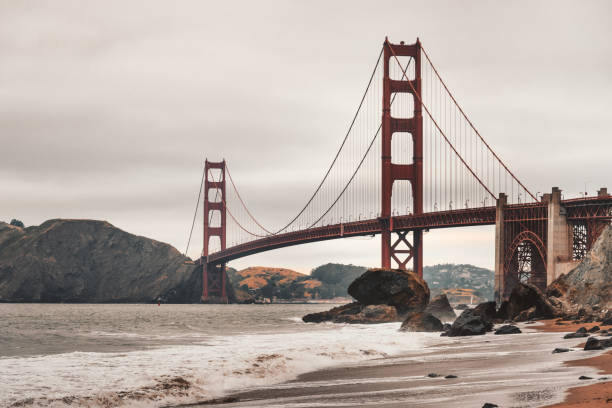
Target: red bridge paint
[[534, 241]]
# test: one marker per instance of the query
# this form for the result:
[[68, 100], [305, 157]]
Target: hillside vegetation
[[441, 277], [332, 280], [280, 283]]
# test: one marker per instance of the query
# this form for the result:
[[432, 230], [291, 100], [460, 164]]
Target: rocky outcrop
[[526, 302], [91, 261], [404, 290], [422, 322], [486, 310], [469, 324], [589, 285], [508, 329], [355, 313], [383, 295], [441, 309]]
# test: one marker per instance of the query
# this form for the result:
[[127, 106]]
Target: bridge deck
[[592, 207]]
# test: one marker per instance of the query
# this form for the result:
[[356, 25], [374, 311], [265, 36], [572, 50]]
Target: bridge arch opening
[[525, 262]]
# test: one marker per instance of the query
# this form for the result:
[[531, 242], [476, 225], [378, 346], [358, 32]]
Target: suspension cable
[[242, 201], [346, 185], [472, 125], [196, 211], [436, 123], [333, 161]]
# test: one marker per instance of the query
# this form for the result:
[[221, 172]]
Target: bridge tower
[[398, 248], [214, 279]]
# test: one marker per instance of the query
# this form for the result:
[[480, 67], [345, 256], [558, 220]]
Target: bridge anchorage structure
[[411, 162]]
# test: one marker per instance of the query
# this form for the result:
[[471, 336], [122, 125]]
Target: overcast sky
[[108, 108]]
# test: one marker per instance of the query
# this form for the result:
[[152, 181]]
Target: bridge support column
[[214, 278], [401, 250], [500, 247], [559, 243]]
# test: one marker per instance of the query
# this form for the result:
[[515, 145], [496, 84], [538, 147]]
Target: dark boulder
[[441, 308], [524, 297], [486, 310], [403, 289], [575, 335], [508, 329], [422, 322], [355, 313], [593, 329], [450, 376], [593, 344], [329, 315], [374, 314], [462, 306], [560, 350], [606, 322], [581, 330], [527, 315], [469, 324]]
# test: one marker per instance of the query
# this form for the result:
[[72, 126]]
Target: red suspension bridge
[[410, 161]]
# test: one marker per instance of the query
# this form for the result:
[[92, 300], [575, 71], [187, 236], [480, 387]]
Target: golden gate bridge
[[410, 161]]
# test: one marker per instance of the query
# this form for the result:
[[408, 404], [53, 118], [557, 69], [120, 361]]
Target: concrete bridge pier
[[499, 247], [533, 243], [558, 239]]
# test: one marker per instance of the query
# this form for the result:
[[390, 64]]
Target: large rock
[[522, 298], [441, 308], [487, 310], [590, 283], [91, 261], [508, 329], [355, 313], [422, 322], [393, 287], [469, 324]]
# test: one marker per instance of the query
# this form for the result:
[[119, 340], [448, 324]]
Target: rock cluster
[[424, 322], [383, 295], [469, 323], [584, 294], [440, 308], [355, 313]]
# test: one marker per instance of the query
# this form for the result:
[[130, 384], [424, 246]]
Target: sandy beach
[[509, 370]]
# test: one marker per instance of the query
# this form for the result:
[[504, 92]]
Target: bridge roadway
[[581, 208]]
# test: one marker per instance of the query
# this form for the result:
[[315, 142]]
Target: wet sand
[[590, 395], [509, 370]]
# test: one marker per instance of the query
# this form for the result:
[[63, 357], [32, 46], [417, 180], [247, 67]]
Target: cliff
[[590, 283], [91, 261]]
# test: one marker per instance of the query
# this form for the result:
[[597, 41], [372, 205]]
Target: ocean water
[[149, 355]]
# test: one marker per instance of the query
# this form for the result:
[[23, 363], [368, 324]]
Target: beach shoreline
[[589, 395], [508, 370]]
